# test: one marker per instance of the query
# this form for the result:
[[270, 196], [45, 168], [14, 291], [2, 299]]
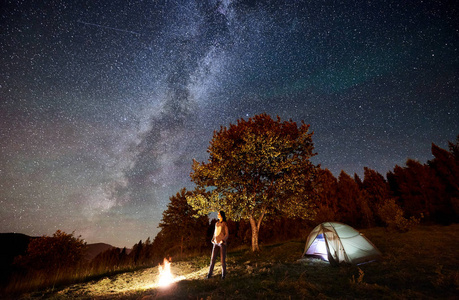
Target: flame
[[165, 276]]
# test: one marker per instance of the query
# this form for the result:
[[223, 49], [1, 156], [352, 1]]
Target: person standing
[[219, 241]]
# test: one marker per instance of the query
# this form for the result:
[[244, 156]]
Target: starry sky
[[104, 104]]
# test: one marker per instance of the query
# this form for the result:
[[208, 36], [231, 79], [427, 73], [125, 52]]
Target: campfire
[[165, 277]]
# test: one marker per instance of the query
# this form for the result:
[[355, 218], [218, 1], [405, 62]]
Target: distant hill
[[94, 249], [12, 244]]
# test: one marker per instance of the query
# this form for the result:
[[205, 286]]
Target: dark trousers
[[222, 249]]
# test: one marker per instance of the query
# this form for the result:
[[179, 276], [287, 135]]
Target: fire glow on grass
[[165, 277]]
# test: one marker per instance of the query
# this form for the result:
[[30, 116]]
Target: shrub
[[392, 215], [49, 254]]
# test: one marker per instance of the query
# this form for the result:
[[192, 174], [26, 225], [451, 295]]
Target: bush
[[392, 215], [49, 254]]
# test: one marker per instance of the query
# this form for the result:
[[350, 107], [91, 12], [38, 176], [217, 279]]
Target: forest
[[409, 195]]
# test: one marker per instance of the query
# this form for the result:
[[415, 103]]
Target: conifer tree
[[377, 189], [352, 202], [446, 167], [179, 226], [417, 188], [327, 187]]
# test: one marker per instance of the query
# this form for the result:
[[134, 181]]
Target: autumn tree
[[257, 167], [179, 226], [454, 149], [377, 189], [392, 216], [417, 188], [60, 252], [352, 202], [326, 187], [446, 168]]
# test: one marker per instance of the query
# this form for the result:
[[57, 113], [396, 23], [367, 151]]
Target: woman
[[219, 240]]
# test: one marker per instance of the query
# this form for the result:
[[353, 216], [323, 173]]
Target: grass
[[420, 264]]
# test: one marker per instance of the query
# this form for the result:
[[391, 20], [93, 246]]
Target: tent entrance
[[318, 248]]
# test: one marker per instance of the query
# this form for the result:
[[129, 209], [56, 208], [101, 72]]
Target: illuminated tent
[[336, 242]]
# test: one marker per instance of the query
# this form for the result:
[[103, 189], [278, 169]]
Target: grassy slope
[[420, 264]]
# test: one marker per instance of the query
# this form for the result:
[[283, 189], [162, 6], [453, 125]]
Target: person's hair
[[222, 213]]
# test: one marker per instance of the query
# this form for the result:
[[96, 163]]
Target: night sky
[[104, 104]]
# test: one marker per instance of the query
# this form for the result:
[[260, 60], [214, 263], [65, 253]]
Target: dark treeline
[[116, 259], [426, 192], [417, 192], [409, 195]]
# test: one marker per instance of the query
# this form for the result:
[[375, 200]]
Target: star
[[105, 104]]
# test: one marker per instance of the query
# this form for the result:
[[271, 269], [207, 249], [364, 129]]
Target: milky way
[[104, 104]]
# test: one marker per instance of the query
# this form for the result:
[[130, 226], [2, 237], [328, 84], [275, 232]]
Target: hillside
[[94, 249], [420, 264], [12, 244]]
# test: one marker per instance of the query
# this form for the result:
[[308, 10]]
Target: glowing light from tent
[[318, 248]]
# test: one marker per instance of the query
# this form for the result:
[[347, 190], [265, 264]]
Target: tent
[[337, 242]]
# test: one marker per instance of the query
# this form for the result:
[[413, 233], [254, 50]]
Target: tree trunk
[[255, 229], [255, 224]]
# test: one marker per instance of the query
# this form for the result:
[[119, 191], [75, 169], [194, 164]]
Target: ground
[[420, 264]]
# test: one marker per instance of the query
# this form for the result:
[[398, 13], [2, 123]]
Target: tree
[[392, 215], [454, 149], [377, 189], [179, 226], [326, 187], [257, 167], [53, 254], [136, 253], [418, 189], [352, 202], [446, 167]]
